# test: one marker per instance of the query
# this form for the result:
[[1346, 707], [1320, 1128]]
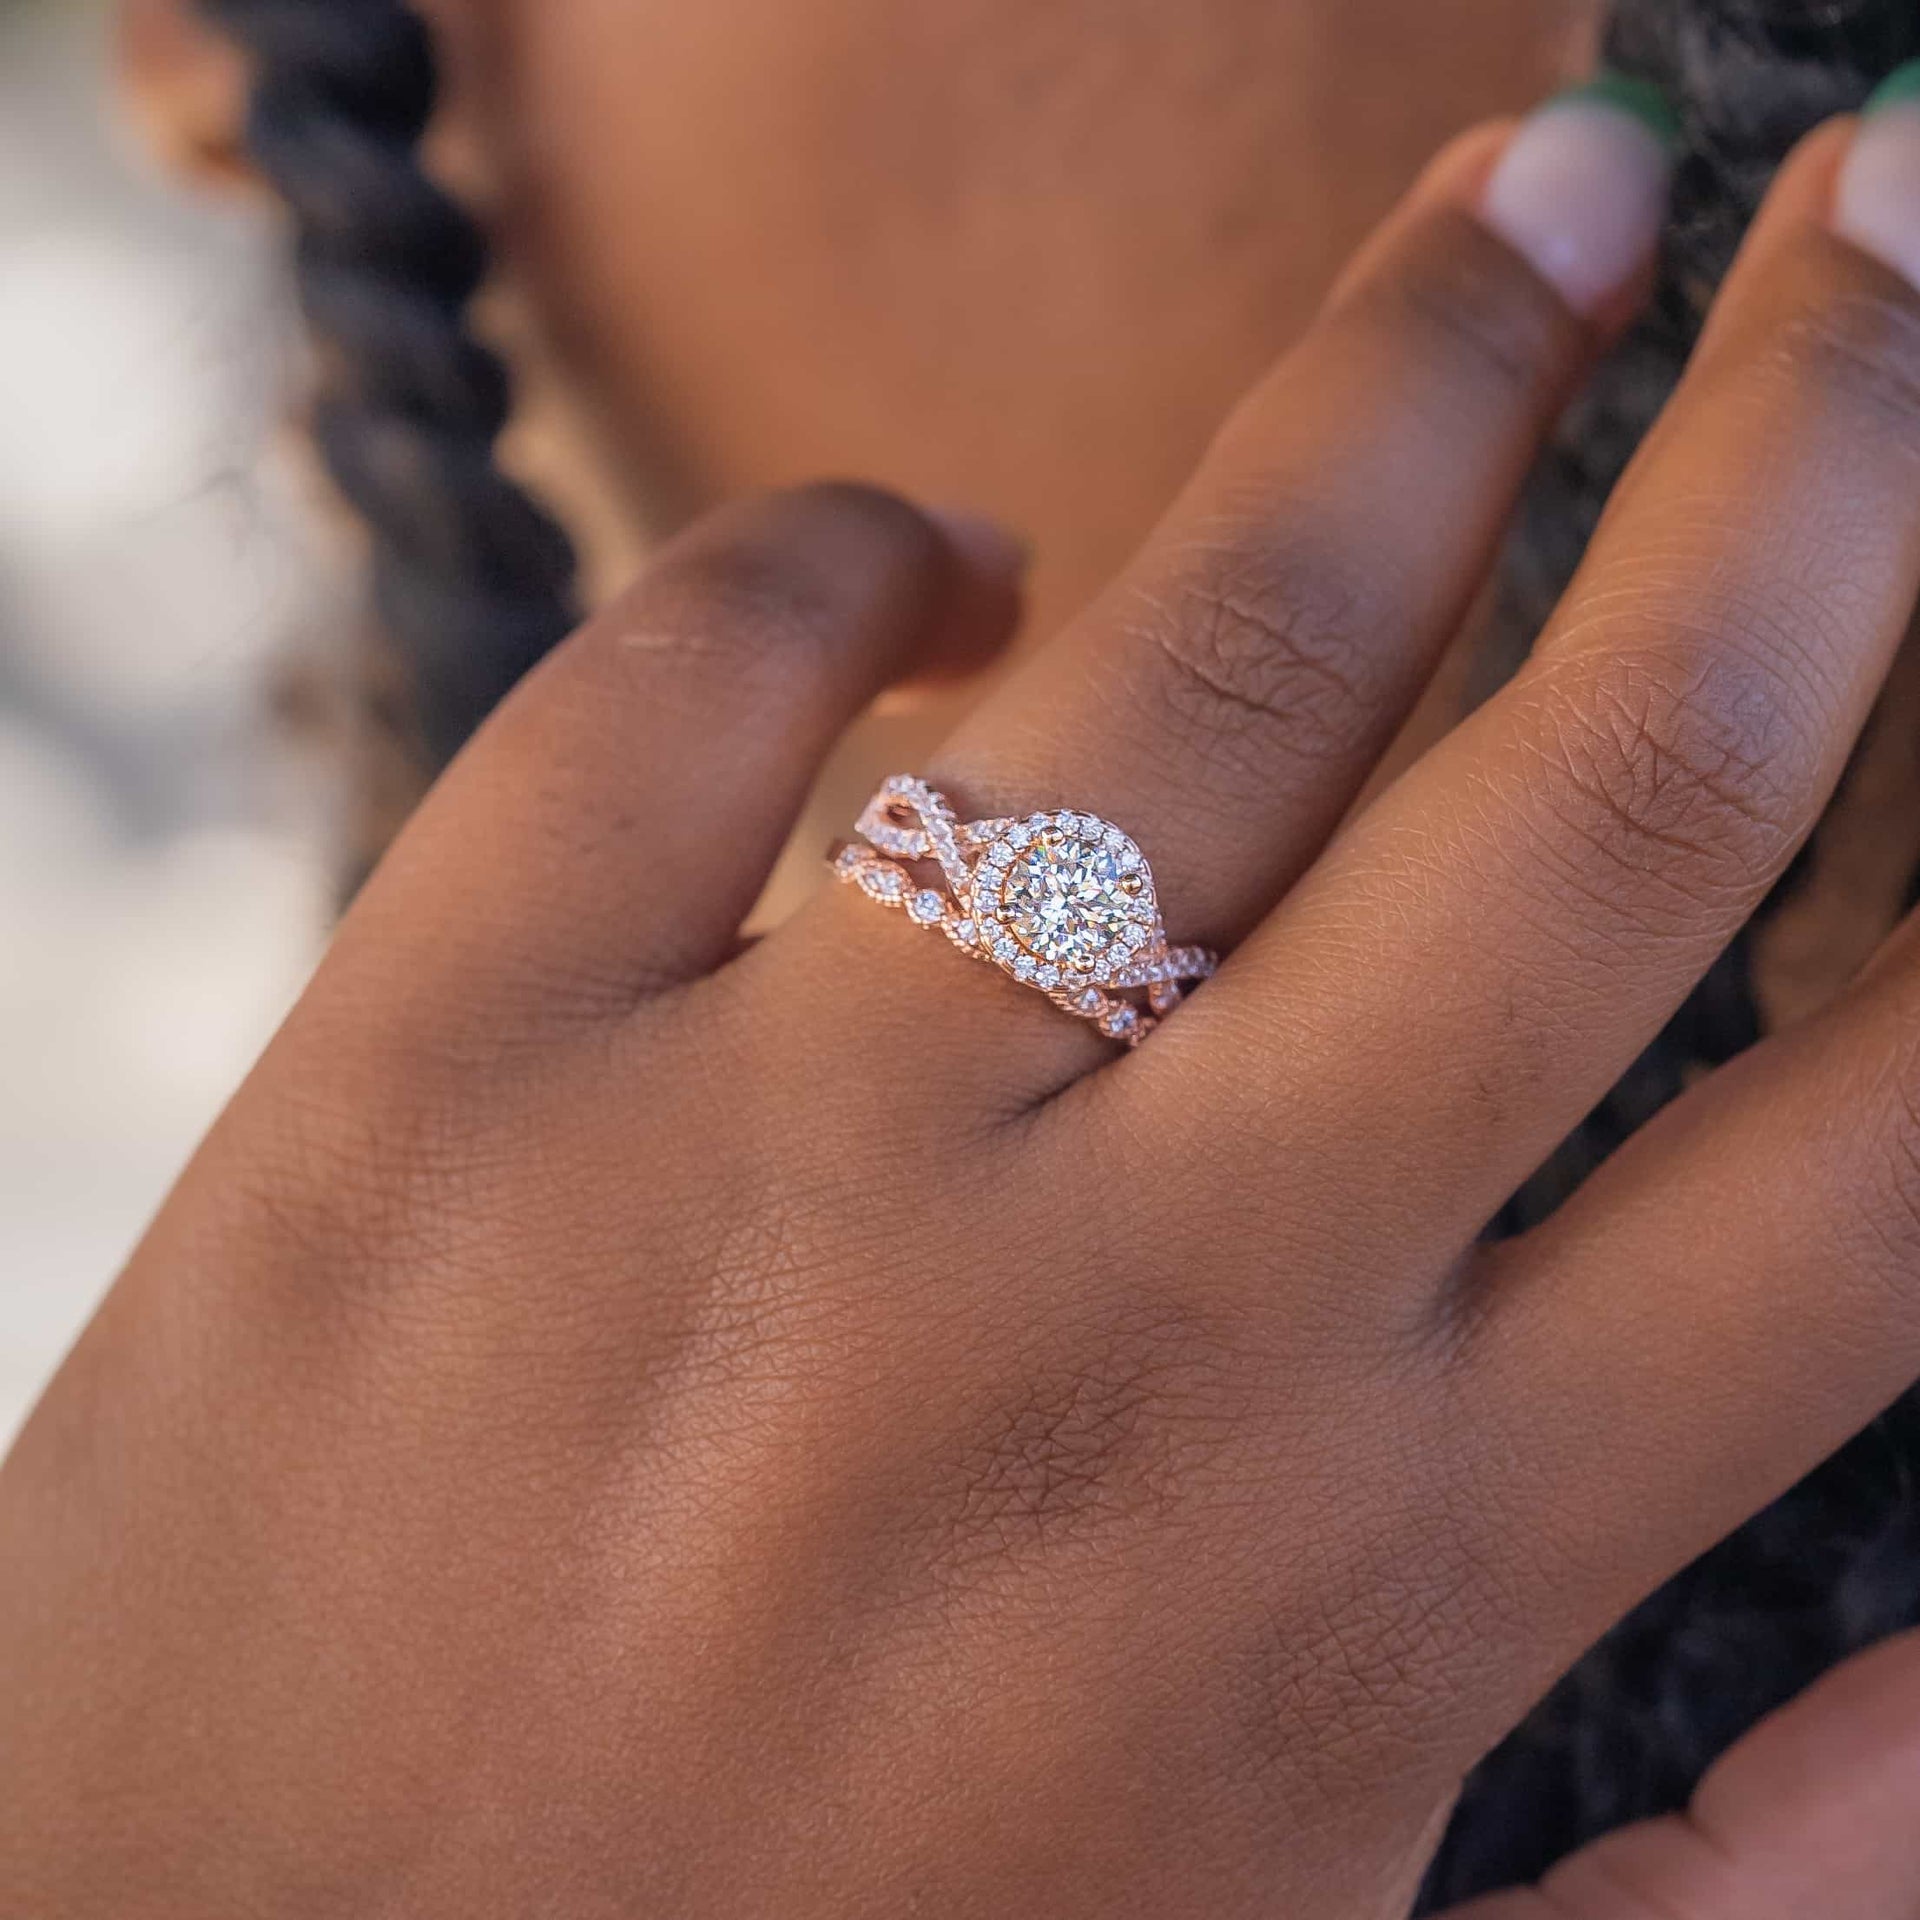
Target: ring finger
[[1225, 700]]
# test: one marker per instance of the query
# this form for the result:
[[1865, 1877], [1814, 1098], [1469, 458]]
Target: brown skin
[[1015, 257], [605, 1428], [1012, 256], [1019, 256]]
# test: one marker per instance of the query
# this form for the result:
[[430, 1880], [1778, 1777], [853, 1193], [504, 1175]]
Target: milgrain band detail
[[1063, 902]]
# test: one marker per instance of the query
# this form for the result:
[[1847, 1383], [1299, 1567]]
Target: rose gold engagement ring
[[1064, 902]]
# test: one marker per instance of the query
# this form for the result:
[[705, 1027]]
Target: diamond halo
[[1069, 893], [1060, 901]]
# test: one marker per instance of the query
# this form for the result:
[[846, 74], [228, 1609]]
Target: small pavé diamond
[[926, 907], [1120, 1021], [1049, 977]]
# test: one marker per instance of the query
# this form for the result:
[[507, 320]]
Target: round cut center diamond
[[1066, 899]]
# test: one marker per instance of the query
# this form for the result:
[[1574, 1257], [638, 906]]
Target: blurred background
[[165, 854]]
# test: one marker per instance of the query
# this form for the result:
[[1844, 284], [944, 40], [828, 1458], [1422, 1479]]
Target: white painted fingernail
[[1876, 201], [1581, 190]]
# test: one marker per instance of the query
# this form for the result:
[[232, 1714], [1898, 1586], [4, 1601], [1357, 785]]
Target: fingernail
[[1876, 202], [1581, 190], [985, 546]]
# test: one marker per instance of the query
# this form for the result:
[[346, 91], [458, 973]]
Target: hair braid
[[472, 581], [1836, 1563]]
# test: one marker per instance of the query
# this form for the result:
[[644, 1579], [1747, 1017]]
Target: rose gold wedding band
[[1062, 902]]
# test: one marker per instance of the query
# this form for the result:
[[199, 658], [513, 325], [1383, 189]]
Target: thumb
[[1815, 1815]]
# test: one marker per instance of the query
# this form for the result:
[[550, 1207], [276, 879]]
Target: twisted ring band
[[1063, 902]]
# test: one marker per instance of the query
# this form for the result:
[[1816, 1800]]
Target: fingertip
[[1876, 200], [1581, 189], [986, 547], [1822, 1798], [1856, 1731], [1802, 190], [1802, 206], [1457, 175], [989, 564]]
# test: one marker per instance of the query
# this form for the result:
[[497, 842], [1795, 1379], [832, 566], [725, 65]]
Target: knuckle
[[1261, 640], [1699, 770]]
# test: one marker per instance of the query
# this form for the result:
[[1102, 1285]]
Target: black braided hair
[[472, 581], [1834, 1565]]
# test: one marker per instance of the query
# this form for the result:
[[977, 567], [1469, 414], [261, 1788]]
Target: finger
[[1815, 1815], [1499, 936], [610, 828], [1224, 701], [1727, 1300]]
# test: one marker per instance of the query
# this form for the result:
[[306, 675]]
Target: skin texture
[[609, 1425]]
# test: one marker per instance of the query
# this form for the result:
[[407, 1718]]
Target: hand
[[613, 1426]]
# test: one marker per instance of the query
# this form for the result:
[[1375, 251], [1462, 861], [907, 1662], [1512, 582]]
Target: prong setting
[[1066, 891], [1061, 901]]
